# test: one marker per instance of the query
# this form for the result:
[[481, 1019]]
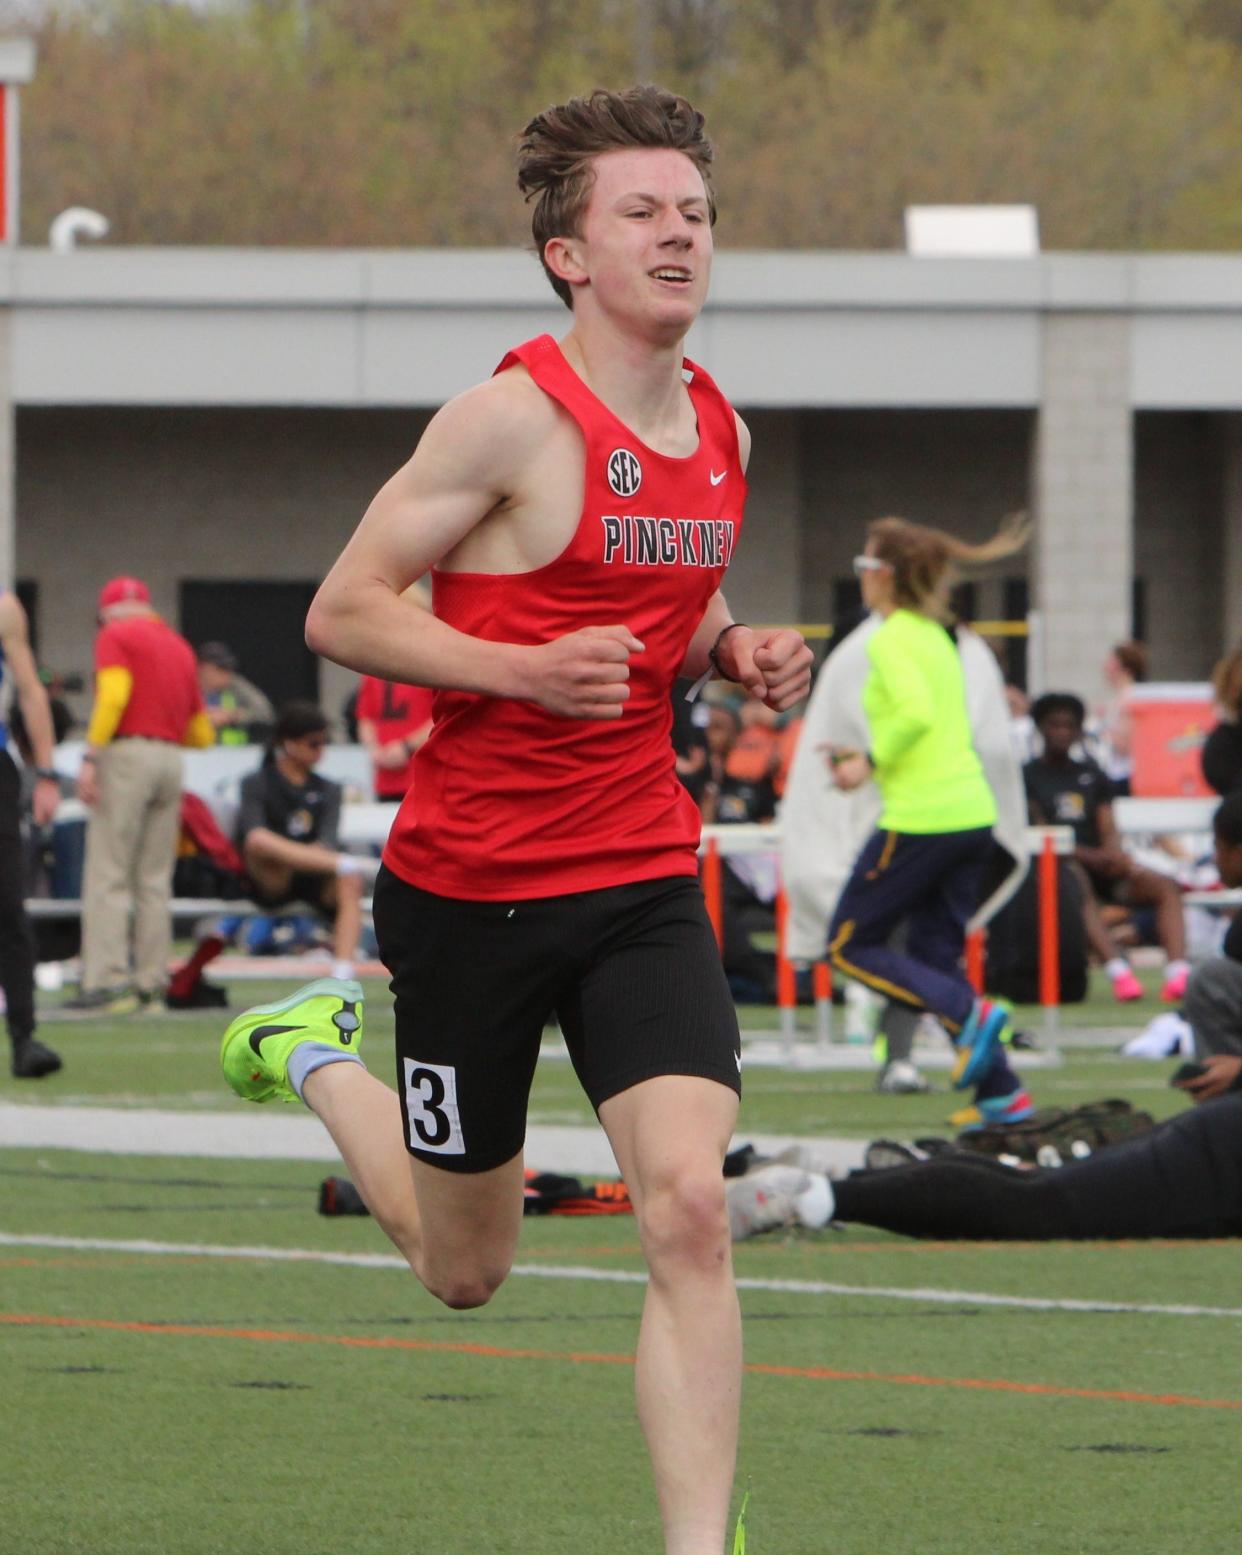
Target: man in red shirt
[[577, 511], [393, 722], [147, 705]]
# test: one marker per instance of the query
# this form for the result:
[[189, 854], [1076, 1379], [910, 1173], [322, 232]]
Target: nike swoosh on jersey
[[259, 1032], [716, 479]]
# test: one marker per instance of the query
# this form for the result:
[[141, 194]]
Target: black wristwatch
[[47, 774]]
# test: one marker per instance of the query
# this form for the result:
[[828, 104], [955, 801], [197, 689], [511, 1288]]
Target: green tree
[[394, 122]]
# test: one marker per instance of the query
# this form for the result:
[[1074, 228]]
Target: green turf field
[[168, 1398]]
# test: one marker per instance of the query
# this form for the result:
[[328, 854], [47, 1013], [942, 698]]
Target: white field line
[[615, 1276]]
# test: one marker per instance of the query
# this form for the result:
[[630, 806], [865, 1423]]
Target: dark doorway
[[1138, 611], [1017, 608], [28, 597], [964, 602], [263, 624]]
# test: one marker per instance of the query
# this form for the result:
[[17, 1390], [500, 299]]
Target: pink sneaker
[[1126, 987], [1174, 990]]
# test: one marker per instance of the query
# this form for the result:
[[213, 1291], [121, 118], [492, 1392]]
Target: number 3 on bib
[[431, 1107]]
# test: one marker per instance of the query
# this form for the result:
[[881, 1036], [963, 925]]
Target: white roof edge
[[511, 278]]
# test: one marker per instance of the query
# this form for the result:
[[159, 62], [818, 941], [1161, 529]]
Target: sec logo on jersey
[[625, 474]]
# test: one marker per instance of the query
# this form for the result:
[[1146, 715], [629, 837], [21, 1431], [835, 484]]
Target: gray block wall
[[1083, 489], [176, 494]]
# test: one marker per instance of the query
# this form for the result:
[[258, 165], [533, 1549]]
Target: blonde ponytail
[[925, 560]]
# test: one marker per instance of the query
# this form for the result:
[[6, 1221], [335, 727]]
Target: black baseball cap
[[219, 654]]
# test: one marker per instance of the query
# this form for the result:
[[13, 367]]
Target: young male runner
[[578, 511]]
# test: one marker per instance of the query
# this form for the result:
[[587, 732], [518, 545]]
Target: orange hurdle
[[975, 959], [1049, 936], [786, 979], [713, 890]]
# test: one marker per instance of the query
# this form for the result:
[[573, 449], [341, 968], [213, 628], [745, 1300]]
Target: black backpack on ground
[[1012, 969], [1053, 1136]]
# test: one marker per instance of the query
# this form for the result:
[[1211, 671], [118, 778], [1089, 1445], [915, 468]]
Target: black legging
[[1183, 1179], [17, 943]]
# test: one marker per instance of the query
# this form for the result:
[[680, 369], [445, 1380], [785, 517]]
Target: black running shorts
[[632, 973]]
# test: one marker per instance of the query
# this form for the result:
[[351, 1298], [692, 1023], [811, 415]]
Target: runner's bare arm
[[468, 467], [717, 615], [773, 664]]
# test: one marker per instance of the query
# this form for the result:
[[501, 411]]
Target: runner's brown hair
[[559, 146]]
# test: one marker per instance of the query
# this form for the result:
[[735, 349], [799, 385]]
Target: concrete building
[[216, 421]]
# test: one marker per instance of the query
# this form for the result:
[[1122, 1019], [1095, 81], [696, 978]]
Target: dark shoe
[[33, 1059], [103, 1001], [338, 1196]]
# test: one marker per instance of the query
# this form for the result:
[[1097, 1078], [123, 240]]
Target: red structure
[[17, 62]]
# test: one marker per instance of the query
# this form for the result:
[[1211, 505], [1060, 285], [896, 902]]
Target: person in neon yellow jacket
[[924, 863]]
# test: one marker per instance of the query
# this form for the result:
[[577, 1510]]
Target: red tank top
[[512, 802]]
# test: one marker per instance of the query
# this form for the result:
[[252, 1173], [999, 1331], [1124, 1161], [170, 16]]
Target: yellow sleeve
[[112, 690], [199, 732]]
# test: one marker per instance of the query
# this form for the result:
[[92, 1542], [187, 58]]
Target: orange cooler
[[1170, 722]]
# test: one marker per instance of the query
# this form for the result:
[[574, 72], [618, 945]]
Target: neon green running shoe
[[739, 1531], [254, 1053]]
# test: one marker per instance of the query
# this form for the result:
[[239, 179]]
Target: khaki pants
[[131, 846]]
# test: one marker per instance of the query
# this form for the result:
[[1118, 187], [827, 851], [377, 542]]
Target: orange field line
[[588, 1357]]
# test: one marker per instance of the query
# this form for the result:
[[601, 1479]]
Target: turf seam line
[[622, 1276]]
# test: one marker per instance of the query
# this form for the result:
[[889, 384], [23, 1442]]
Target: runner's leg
[[457, 1231], [895, 876], [440, 1164], [669, 1136]]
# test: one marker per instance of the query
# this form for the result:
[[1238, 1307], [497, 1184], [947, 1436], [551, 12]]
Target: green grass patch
[[196, 1404], [269, 1427], [171, 1061]]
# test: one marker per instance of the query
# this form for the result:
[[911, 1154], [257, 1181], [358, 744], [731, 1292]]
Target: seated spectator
[[1064, 791], [1021, 726], [393, 723], [755, 754], [1213, 1001], [238, 710], [763, 751], [1113, 728], [1221, 756], [287, 829], [748, 882], [737, 788], [689, 735]]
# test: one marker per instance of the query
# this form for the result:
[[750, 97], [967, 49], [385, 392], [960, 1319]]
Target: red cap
[[124, 591]]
